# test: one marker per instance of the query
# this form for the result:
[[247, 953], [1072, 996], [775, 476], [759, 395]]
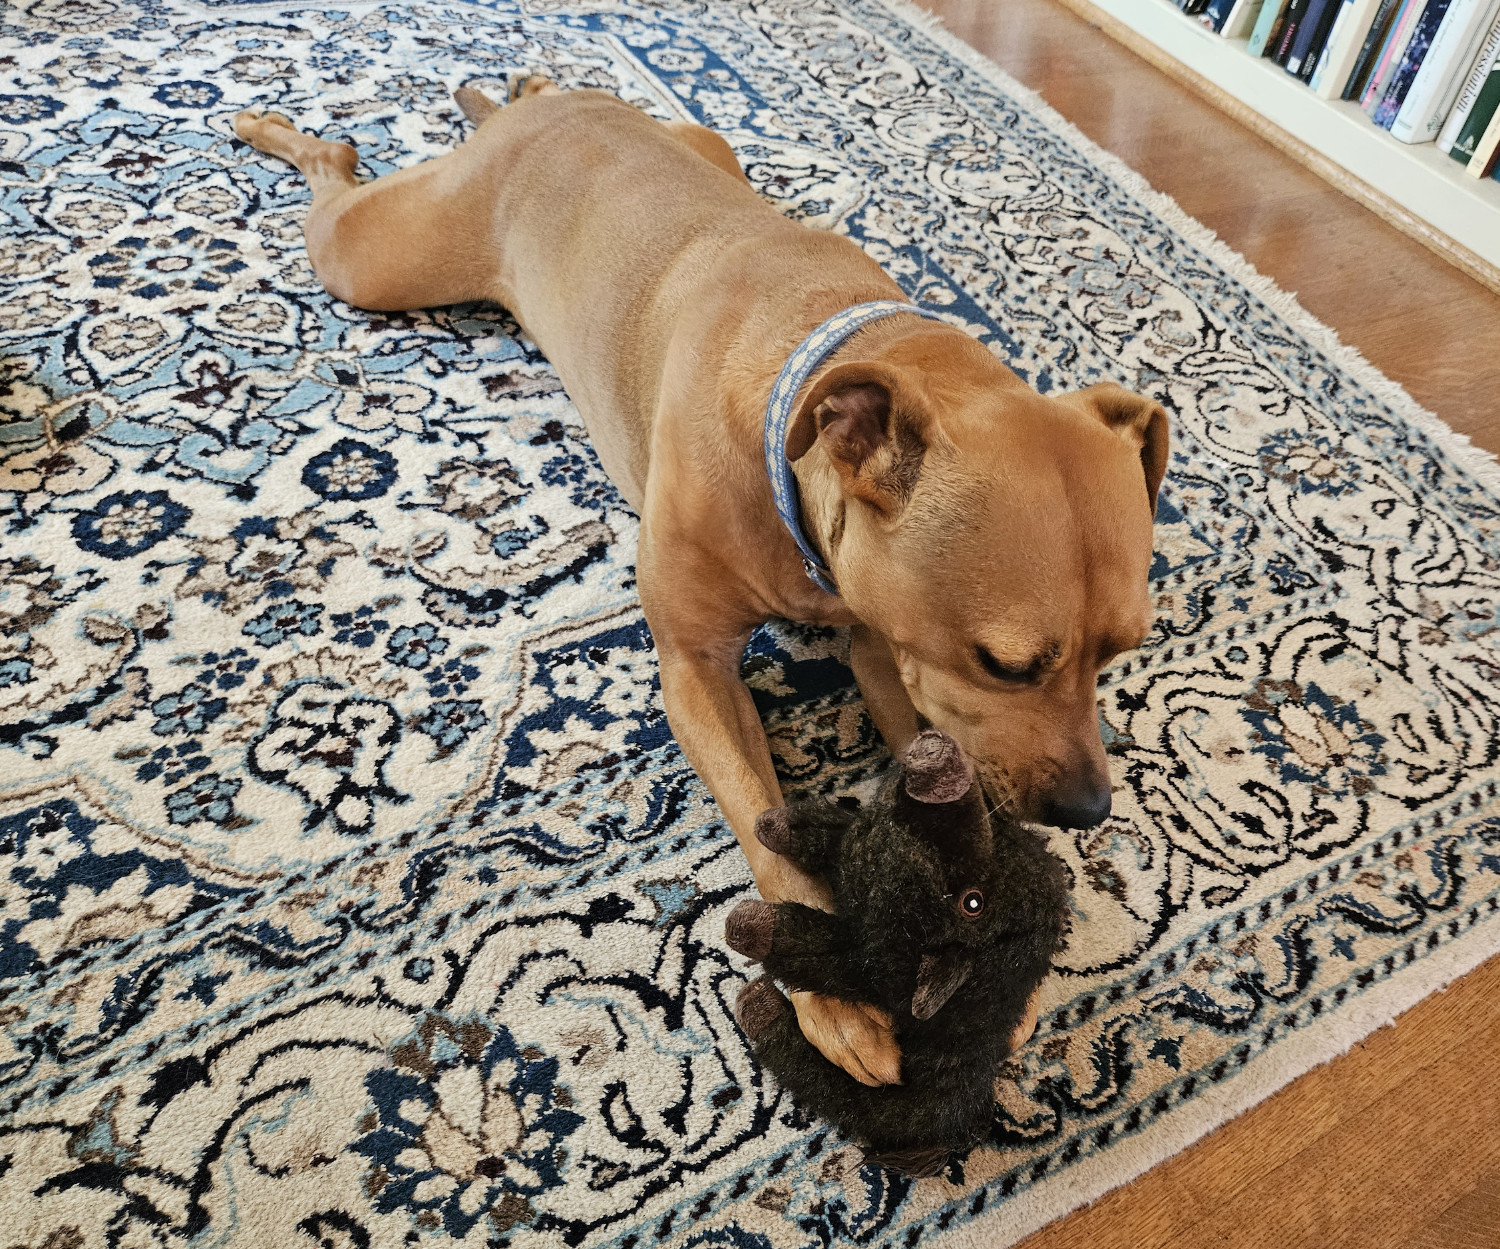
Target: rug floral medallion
[[355, 891]]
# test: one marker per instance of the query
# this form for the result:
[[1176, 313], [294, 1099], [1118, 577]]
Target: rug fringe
[[1478, 462]]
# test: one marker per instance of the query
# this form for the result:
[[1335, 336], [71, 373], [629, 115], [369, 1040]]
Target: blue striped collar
[[814, 349]]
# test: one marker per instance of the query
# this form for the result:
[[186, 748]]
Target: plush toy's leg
[[807, 834], [758, 1007], [800, 946]]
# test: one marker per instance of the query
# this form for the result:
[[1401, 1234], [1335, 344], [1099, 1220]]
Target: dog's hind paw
[[249, 124]]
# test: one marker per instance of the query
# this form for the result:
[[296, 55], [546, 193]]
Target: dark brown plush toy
[[947, 918]]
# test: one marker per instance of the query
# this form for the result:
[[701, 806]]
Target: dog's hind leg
[[528, 83], [710, 145], [328, 167], [416, 238]]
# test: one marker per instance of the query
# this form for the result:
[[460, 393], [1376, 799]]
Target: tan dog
[[990, 545]]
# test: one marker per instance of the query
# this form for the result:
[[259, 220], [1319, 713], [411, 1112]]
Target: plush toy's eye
[[972, 903]]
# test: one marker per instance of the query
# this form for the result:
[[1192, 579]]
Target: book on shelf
[[1215, 14], [1317, 50], [1468, 96], [1369, 50], [1482, 163], [1391, 53], [1438, 81], [1290, 25], [1310, 37], [1267, 28], [1485, 109], [1354, 22], [1241, 19], [1336, 33], [1417, 47]]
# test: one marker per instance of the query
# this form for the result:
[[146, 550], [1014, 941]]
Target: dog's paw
[[251, 123]]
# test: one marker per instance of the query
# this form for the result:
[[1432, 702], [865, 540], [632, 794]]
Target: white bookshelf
[[1425, 183]]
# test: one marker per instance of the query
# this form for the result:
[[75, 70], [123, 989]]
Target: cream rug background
[[356, 893]]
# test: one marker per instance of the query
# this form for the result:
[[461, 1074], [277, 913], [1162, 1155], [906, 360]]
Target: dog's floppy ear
[[858, 414], [1142, 420]]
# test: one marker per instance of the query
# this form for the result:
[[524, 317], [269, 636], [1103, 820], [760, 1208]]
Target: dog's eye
[[1012, 676], [972, 904]]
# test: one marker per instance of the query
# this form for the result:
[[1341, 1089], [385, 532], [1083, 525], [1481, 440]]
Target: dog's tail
[[475, 104]]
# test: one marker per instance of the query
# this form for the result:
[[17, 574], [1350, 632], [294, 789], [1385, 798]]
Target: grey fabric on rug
[[356, 893]]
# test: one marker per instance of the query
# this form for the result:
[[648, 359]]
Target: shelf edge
[[1377, 201]]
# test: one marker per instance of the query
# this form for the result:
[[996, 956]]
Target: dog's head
[[999, 540]]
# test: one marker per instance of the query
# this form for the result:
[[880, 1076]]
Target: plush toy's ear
[[938, 979], [1143, 421], [871, 428]]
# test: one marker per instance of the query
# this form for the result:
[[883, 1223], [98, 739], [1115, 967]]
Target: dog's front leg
[[714, 720], [880, 685]]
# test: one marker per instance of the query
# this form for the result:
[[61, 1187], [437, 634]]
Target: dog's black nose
[[1081, 808]]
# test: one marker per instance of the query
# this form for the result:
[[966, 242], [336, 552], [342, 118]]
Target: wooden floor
[[1397, 1144]]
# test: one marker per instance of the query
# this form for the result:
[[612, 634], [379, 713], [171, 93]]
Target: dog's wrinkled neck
[[824, 505]]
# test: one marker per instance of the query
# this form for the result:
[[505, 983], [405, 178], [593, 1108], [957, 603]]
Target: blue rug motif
[[355, 892]]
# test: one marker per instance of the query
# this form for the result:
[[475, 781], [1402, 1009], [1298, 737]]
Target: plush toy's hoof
[[748, 928], [758, 1007], [917, 1163], [773, 829], [936, 770]]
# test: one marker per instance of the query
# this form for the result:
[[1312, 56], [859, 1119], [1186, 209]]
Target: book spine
[[1335, 36], [1447, 62], [1390, 55], [1265, 26], [1485, 150], [1307, 34], [1473, 84], [1369, 51], [1241, 19], [1344, 47], [1215, 14], [1411, 62], [1485, 108], [1294, 14], [1319, 42]]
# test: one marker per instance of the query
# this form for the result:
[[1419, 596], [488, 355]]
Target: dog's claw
[[773, 829], [749, 927], [758, 1007]]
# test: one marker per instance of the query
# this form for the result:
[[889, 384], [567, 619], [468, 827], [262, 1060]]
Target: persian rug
[[356, 893]]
